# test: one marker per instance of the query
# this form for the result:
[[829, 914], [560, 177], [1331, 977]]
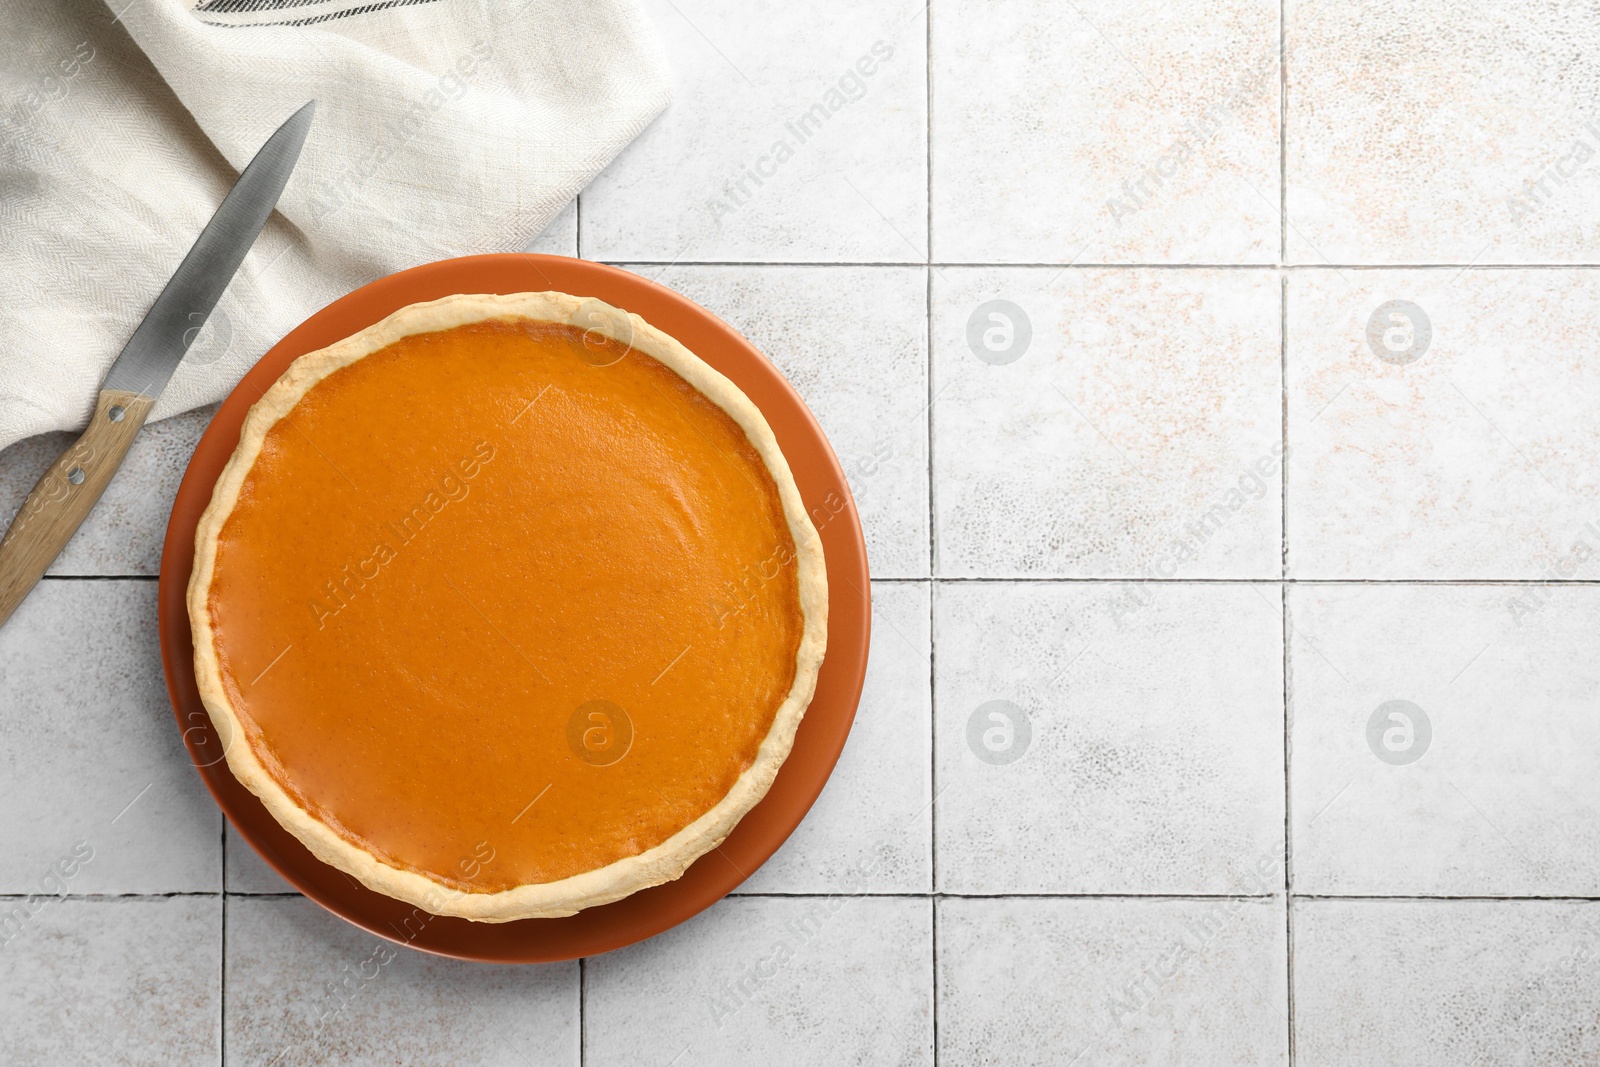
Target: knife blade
[[67, 492]]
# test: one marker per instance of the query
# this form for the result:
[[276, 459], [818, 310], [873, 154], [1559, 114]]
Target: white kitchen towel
[[443, 128]]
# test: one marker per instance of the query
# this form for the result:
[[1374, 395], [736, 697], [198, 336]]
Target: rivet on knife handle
[[63, 498]]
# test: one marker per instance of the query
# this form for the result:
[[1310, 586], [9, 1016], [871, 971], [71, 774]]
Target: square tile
[[1442, 423], [247, 872], [1444, 740], [770, 980], [307, 988], [853, 341], [870, 831], [1103, 132], [560, 238], [1114, 983], [1432, 132], [91, 754], [1446, 983], [124, 533], [1106, 423], [1100, 739], [797, 133], [113, 981]]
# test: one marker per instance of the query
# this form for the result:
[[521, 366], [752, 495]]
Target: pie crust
[[660, 863]]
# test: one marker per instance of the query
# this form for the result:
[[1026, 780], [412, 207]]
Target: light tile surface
[[1106, 132], [91, 752], [1490, 784], [113, 981], [871, 829], [1140, 749], [1378, 983], [306, 988], [1432, 132], [1461, 441], [247, 872], [853, 342], [797, 133], [837, 980], [1114, 982], [1098, 423]]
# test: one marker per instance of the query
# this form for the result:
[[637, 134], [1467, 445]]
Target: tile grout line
[[1401, 898], [1022, 895], [100, 578], [1224, 896], [1127, 579], [933, 975], [222, 972], [1283, 593], [1265, 265], [1288, 845], [1133, 579], [933, 829], [169, 895], [933, 561], [1283, 519], [583, 1024]]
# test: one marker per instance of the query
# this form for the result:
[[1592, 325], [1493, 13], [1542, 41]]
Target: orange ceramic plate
[[822, 733]]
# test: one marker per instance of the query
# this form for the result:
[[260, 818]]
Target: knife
[[67, 492]]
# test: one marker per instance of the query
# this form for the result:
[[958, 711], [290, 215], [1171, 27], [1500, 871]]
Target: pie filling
[[506, 603]]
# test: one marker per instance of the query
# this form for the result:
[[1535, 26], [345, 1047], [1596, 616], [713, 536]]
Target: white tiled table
[[1191, 852]]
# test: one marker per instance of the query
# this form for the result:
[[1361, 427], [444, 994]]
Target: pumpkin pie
[[507, 606]]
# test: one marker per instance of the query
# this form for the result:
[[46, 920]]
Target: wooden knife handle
[[65, 495]]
